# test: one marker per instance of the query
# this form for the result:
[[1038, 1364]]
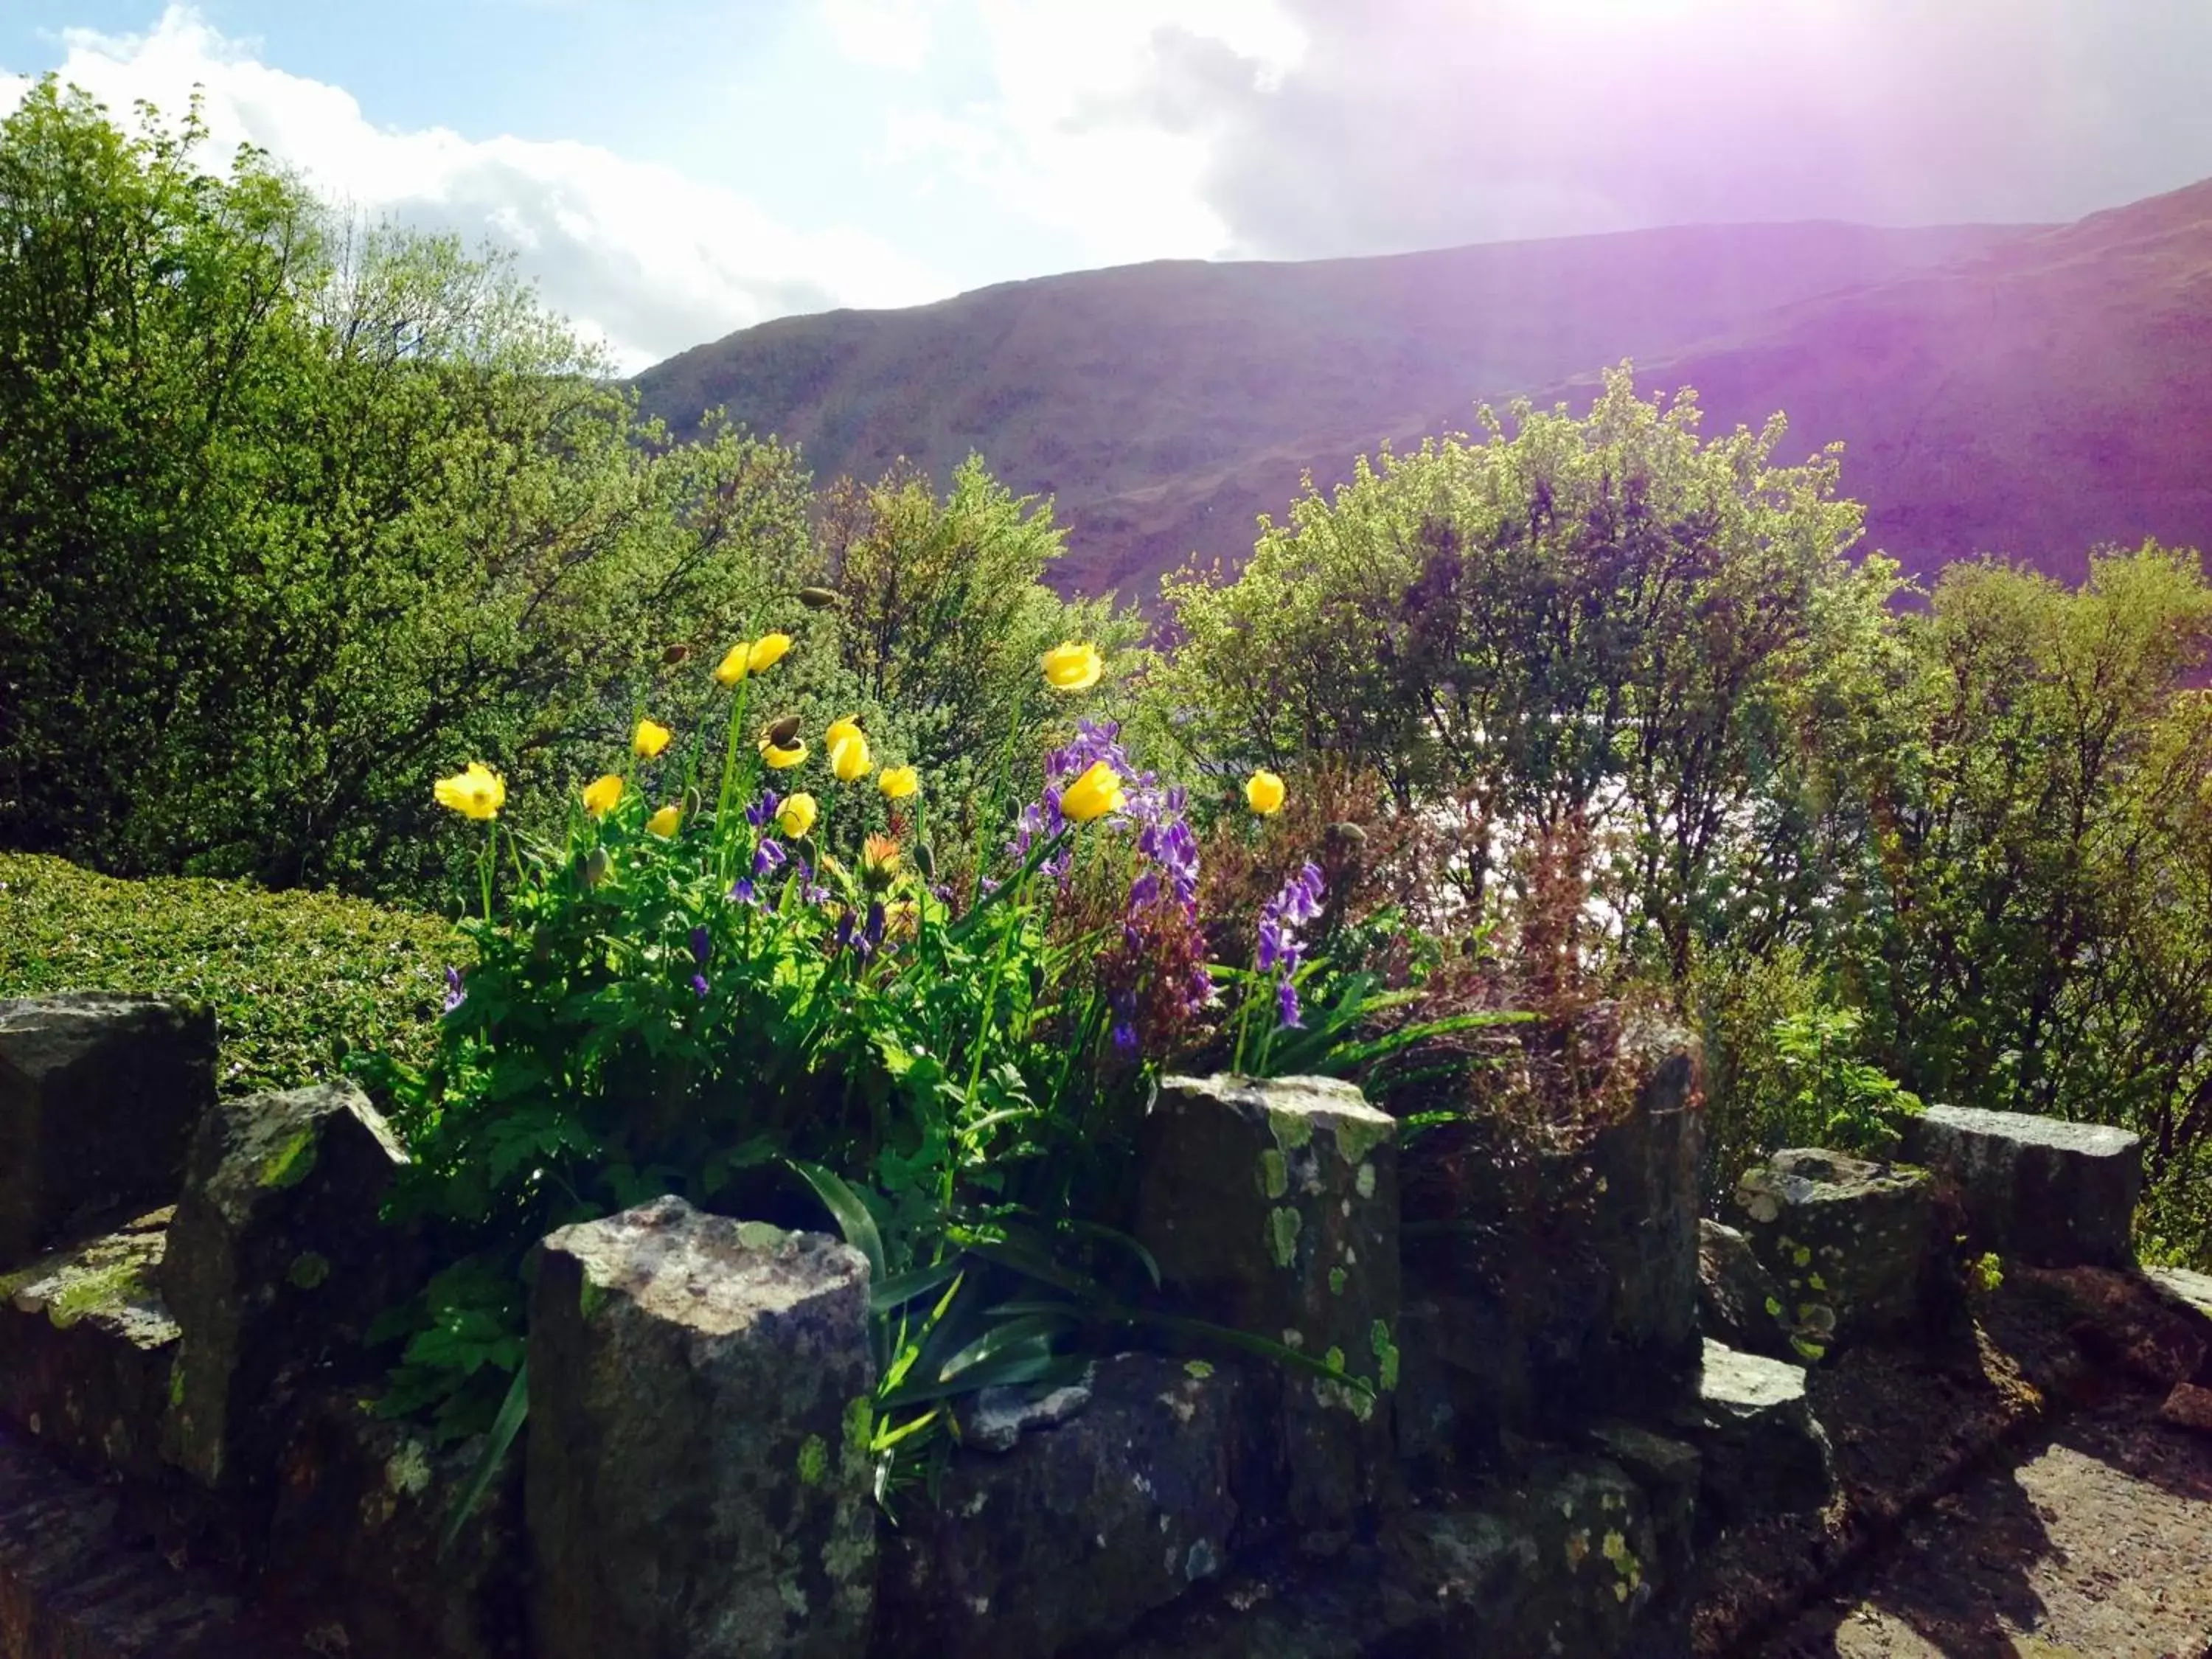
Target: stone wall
[[1527, 1460]]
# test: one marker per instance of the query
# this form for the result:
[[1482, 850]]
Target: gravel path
[[2096, 1543]]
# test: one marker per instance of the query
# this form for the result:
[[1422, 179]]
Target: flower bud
[[596, 866], [676, 653], [817, 598], [783, 731], [925, 859], [692, 802]]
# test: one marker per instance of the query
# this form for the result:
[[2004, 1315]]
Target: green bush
[[296, 980]]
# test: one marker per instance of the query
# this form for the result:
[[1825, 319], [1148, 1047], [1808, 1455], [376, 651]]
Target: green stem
[[728, 794], [991, 813]]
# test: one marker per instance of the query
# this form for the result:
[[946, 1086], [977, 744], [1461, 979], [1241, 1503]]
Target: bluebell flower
[[699, 983], [743, 890], [456, 993], [1286, 1005], [764, 810], [703, 945], [768, 855]]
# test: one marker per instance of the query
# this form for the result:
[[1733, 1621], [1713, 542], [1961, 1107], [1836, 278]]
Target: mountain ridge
[[1165, 405]]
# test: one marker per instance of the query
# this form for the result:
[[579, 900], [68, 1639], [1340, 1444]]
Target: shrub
[[298, 981]]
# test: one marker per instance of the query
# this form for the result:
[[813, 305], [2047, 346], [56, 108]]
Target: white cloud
[[1071, 138], [892, 34], [636, 254]]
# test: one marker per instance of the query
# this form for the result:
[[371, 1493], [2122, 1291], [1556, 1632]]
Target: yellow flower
[[1072, 666], [1264, 792], [768, 651], [650, 738], [848, 755], [664, 822], [849, 727], [1094, 794], [732, 668], [477, 792], [780, 758], [797, 818], [879, 858], [897, 782], [600, 796]]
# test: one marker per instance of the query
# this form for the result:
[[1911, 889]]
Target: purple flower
[[742, 891], [768, 855], [1124, 1040], [699, 983], [456, 993], [703, 945], [763, 810], [874, 932], [1286, 1004]]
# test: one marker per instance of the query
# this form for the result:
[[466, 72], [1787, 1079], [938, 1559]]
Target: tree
[[1594, 631], [303, 519]]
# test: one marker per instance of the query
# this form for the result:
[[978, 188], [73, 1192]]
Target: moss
[[1386, 1355], [1274, 1174], [1197, 1369], [1336, 1279], [309, 1271], [1292, 1130], [813, 1461], [1283, 1224], [94, 1289], [291, 1163], [1364, 1182], [292, 977], [1356, 1137]]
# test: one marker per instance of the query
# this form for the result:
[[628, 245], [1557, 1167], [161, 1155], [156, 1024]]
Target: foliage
[[1836, 1100], [692, 990], [297, 981]]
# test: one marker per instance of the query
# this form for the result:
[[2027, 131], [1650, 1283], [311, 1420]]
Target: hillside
[[1164, 405]]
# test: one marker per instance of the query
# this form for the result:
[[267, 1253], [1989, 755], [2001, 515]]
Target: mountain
[[2031, 389]]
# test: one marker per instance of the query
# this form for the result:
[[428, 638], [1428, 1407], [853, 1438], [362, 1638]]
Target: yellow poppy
[[768, 651], [1094, 794], [1264, 792], [1072, 665], [848, 756], [650, 738], [732, 668], [897, 782], [797, 818], [779, 758], [849, 727], [600, 795], [664, 822], [477, 793]]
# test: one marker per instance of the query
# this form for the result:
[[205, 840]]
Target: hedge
[[295, 978]]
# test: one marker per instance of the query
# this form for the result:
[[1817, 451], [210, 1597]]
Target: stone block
[[2124, 1321], [277, 1264], [1763, 1452], [99, 1095], [2188, 1406], [77, 1580], [1548, 1283], [1080, 1528], [2036, 1189], [1560, 1560], [1273, 1206], [86, 1347], [353, 1556], [698, 1476], [1671, 1472], [1740, 1303], [1851, 1241]]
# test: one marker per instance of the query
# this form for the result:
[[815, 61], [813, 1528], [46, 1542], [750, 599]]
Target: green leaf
[[508, 1423], [851, 1215]]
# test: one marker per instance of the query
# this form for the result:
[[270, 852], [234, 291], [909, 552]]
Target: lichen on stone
[[1336, 1281], [1356, 1137], [291, 1163], [1386, 1354], [1364, 1182], [1274, 1174], [308, 1271], [1283, 1224]]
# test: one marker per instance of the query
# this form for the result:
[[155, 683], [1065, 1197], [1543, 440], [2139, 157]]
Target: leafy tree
[[303, 519], [1595, 629]]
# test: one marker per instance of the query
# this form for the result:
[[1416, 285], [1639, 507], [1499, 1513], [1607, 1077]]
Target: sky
[[669, 171]]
